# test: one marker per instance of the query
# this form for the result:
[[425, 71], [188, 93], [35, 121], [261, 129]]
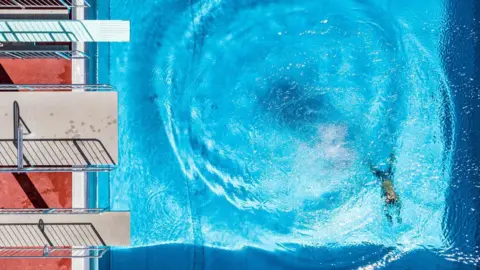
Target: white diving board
[[64, 31]]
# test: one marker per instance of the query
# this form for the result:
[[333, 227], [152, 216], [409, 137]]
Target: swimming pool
[[247, 128]]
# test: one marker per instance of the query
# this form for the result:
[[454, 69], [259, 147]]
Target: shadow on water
[[290, 104], [175, 256]]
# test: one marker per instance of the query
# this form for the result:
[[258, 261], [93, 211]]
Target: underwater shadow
[[290, 104], [178, 257]]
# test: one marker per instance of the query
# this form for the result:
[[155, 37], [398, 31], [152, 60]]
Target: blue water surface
[[247, 129]]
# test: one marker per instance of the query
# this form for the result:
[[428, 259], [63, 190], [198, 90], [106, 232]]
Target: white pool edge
[[79, 179]]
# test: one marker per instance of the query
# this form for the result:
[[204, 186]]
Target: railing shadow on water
[[182, 256]]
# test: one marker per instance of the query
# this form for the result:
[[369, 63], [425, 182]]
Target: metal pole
[[46, 251], [20, 147], [16, 120], [18, 134]]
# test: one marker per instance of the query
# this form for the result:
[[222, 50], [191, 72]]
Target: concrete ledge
[[68, 229], [64, 115]]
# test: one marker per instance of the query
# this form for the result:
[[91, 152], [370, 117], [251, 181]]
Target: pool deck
[[39, 189]]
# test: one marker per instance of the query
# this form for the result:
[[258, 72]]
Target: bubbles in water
[[279, 108]]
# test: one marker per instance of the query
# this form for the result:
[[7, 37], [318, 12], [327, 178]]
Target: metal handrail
[[67, 211], [43, 54], [20, 149], [18, 134], [44, 4], [72, 154], [16, 121], [52, 252], [56, 87], [41, 233], [59, 169]]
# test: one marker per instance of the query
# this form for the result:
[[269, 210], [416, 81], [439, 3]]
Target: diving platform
[[62, 130], [64, 229], [64, 31], [61, 232]]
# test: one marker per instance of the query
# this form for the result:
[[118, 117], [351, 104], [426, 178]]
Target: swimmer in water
[[392, 201]]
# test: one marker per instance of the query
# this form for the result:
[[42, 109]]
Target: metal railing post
[[18, 134], [46, 251], [16, 119], [20, 147]]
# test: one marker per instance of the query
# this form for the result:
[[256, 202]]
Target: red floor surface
[[54, 188], [37, 264], [39, 71]]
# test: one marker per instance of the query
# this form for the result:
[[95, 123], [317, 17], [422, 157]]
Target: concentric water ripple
[[260, 90], [278, 107]]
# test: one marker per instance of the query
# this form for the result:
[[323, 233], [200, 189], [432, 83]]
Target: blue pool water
[[247, 128]]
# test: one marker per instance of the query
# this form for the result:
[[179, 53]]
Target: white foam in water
[[267, 183], [332, 145], [355, 213]]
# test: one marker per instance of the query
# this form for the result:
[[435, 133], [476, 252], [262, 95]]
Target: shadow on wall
[[186, 257], [4, 77]]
